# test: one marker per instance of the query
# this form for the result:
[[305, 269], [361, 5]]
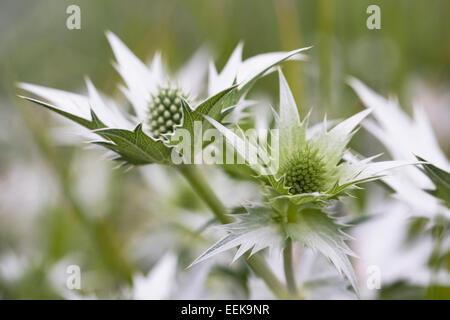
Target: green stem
[[256, 262], [201, 187], [262, 270], [289, 267], [438, 234]]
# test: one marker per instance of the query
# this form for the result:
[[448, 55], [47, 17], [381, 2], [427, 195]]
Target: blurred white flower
[[405, 137], [436, 101], [382, 242], [12, 266], [92, 177], [25, 188], [165, 281], [159, 282]]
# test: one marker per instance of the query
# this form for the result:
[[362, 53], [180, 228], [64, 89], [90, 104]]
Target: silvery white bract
[[263, 227], [308, 174], [405, 138], [161, 102]]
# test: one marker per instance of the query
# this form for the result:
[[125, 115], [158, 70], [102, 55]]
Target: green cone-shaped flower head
[[305, 173], [165, 111]]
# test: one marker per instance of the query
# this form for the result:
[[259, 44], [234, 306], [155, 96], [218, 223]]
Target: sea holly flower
[[313, 168], [427, 191], [161, 102], [308, 166], [154, 93]]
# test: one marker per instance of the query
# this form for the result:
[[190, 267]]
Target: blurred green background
[[44, 215]]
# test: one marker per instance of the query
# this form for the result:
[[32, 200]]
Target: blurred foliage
[[36, 47]]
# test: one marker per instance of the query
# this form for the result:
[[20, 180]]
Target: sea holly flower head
[[165, 111], [305, 173], [162, 102], [311, 169], [310, 165]]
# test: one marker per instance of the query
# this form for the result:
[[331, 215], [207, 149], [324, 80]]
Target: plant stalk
[[289, 267], [194, 176]]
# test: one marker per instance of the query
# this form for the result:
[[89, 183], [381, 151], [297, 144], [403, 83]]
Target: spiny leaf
[[211, 107], [125, 154], [255, 230], [92, 124], [441, 180], [136, 146]]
